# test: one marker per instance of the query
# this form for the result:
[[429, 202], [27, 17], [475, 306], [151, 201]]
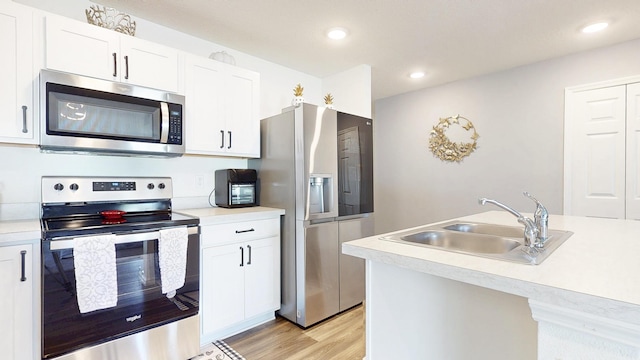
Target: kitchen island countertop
[[595, 271]]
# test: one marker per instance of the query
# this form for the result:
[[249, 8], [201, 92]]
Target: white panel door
[[633, 152], [598, 153]]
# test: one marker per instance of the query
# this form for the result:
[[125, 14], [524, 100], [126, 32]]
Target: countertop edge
[[218, 215]]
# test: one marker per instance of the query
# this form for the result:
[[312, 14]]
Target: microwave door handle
[[164, 125]]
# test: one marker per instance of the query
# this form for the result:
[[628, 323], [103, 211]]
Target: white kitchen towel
[[172, 253], [94, 260]]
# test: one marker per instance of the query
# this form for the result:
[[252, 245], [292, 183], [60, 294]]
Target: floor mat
[[218, 350]]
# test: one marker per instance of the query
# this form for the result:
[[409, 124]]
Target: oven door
[[141, 304]]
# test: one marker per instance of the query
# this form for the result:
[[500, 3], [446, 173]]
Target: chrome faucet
[[541, 217], [530, 228]]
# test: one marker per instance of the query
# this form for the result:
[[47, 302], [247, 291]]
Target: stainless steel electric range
[[145, 323]]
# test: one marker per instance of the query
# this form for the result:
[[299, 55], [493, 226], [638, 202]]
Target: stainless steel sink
[[480, 239]]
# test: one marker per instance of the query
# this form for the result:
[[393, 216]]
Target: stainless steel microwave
[[88, 115]]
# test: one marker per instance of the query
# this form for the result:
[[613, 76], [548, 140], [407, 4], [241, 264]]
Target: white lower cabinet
[[240, 276], [16, 303]]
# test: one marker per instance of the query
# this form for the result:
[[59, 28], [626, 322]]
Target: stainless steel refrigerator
[[317, 164]]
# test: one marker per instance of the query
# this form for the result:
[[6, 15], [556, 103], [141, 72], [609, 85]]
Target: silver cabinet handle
[[229, 147], [249, 247], [241, 256], [23, 254], [222, 137], [24, 119], [115, 64]]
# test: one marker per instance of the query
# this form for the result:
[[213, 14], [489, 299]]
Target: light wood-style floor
[[340, 337]]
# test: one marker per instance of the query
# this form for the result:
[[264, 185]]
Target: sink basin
[[489, 229], [484, 244], [487, 240]]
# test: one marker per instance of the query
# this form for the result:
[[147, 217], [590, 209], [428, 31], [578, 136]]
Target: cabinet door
[[16, 87], [16, 310], [148, 64], [222, 287], [241, 112], [205, 128], [79, 48], [595, 137], [262, 276]]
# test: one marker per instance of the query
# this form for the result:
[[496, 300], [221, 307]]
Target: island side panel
[[412, 315]]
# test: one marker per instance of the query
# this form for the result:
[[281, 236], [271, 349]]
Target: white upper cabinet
[[16, 87], [76, 47], [222, 107]]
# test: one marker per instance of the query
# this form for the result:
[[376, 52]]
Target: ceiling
[[449, 40]]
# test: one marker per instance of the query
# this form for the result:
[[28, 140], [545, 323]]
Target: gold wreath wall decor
[[445, 149]]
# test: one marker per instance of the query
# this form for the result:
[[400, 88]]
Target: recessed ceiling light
[[337, 33], [416, 75], [595, 27]]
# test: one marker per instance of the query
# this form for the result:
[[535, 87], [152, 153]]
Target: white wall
[[351, 90], [519, 116], [24, 165]]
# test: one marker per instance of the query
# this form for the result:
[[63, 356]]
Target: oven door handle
[[69, 243]]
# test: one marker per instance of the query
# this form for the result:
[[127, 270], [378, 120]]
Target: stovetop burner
[[78, 206]]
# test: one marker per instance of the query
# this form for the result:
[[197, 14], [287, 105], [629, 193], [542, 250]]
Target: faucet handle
[[539, 207], [541, 217]]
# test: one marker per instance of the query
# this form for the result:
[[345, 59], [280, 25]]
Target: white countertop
[[19, 231], [596, 270], [29, 230], [218, 215]]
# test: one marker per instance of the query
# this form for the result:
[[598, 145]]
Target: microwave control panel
[[175, 124]]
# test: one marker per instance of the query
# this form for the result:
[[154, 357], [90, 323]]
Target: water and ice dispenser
[[320, 194]]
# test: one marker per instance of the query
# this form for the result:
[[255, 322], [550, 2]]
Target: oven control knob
[[161, 186], [150, 186], [73, 186], [58, 187]]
